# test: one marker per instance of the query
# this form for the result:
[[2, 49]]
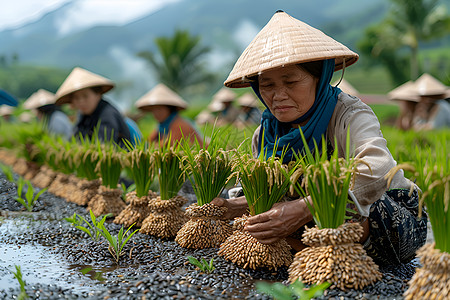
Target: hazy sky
[[83, 13]]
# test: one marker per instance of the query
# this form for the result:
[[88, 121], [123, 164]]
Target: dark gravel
[[149, 269]]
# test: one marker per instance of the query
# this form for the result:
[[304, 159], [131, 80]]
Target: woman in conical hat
[[249, 113], [408, 100], [165, 105], [289, 65], [56, 121], [84, 90]]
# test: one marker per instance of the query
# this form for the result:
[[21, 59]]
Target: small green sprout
[[30, 198], [18, 275], [75, 220], [96, 275], [295, 290], [94, 229], [203, 265], [7, 171], [126, 190], [116, 243]]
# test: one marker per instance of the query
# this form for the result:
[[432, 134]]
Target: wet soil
[[59, 261]]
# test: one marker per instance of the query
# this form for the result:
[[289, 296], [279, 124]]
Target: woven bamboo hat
[[224, 95], [160, 95], [40, 98], [404, 92], [80, 79], [427, 85], [216, 106], [286, 41], [346, 87], [249, 100], [6, 110]]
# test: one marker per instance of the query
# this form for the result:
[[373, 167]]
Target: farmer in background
[[249, 113], [407, 99], [55, 120], [433, 110], [6, 113], [289, 65], [165, 105], [224, 99], [84, 90]]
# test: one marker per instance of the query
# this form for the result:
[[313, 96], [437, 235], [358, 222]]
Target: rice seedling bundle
[[265, 182], [106, 201], [432, 173], [210, 170], [334, 254], [140, 163], [166, 216]]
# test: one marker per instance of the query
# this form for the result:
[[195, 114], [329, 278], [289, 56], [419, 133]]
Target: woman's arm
[[236, 207]]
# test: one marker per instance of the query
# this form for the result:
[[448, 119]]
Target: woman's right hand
[[236, 207]]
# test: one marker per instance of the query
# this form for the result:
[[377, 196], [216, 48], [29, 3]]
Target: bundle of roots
[[44, 177], [165, 218], [107, 201], [204, 229], [20, 166], [245, 251], [432, 280], [334, 256], [85, 191], [136, 211], [8, 157]]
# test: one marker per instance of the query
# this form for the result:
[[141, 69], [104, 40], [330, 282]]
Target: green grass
[[385, 112]]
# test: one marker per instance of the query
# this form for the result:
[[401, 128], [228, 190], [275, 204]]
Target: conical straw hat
[[346, 87], [80, 79], [216, 106], [40, 98], [160, 95], [285, 41], [5, 110], [248, 99], [404, 92], [427, 85], [224, 95]]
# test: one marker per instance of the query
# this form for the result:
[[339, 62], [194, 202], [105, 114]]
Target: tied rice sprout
[[210, 167], [326, 181], [110, 164], [87, 157], [168, 165], [431, 171], [59, 154], [139, 161]]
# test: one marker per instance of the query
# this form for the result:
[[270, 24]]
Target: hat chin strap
[[342, 75]]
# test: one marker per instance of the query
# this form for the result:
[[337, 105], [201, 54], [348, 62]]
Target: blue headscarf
[[319, 116], [7, 99], [165, 125]]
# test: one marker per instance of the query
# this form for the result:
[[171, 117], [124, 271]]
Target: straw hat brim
[[80, 79], [160, 95], [427, 85], [224, 95], [286, 41], [404, 92], [38, 99]]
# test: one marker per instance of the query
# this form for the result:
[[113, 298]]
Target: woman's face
[[160, 112], [289, 92], [86, 100]]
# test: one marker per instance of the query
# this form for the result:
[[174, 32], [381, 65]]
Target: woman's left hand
[[280, 221]]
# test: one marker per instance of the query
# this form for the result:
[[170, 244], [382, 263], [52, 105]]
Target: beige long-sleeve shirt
[[368, 143]]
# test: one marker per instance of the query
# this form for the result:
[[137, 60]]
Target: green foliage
[[30, 199], [203, 265], [295, 290], [179, 63], [116, 243], [126, 190], [169, 167], [94, 230], [18, 275], [326, 182], [8, 172], [86, 156], [140, 164], [210, 167], [75, 220], [97, 275], [110, 163]]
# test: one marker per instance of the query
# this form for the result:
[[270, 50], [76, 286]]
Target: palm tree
[[410, 22], [179, 64]]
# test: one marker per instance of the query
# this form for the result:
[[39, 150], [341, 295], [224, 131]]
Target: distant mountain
[[226, 26]]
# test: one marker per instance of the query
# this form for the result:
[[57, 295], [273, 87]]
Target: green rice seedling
[[326, 182], [203, 265], [264, 180], [18, 275], [140, 163], [126, 190], [168, 165], [110, 164], [116, 243], [295, 290], [30, 198], [8, 172], [432, 174], [210, 167], [75, 220], [87, 157], [94, 230]]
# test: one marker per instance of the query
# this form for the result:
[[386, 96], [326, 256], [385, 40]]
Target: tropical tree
[[408, 23], [180, 63]]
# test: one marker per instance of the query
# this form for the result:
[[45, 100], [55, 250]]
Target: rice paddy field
[[51, 247]]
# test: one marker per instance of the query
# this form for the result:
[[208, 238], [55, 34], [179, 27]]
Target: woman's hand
[[280, 221], [236, 207]]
